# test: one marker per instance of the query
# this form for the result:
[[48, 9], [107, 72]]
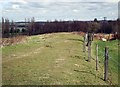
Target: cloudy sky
[[18, 10]]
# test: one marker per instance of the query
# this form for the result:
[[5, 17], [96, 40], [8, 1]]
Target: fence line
[[116, 62], [105, 58]]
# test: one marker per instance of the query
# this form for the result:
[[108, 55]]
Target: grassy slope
[[50, 59]]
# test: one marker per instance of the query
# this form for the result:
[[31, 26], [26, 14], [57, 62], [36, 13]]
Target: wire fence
[[110, 59], [101, 59]]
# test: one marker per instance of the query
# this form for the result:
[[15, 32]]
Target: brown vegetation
[[12, 40]]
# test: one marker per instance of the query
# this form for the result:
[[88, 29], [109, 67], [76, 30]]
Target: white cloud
[[75, 10], [19, 1], [22, 1], [75, 0], [112, 0], [15, 6]]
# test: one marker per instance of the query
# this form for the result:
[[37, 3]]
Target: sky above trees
[[18, 10]]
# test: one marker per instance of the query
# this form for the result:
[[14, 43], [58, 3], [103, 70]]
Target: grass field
[[52, 59]]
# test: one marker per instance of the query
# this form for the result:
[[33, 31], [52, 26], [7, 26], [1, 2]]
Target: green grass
[[50, 59]]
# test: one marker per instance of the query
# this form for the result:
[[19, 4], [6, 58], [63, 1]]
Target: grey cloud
[[64, 10], [119, 9], [101, 6], [62, 5], [22, 6], [36, 5], [18, 3]]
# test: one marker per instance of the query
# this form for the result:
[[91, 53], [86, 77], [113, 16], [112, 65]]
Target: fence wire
[[101, 59]]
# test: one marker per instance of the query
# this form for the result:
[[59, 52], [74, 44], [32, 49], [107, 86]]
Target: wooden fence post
[[89, 51], [106, 64], [92, 36], [97, 57], [84, 46], [89, 46]]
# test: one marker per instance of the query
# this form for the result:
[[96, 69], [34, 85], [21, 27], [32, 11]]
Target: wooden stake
[[97, 57], [89, 51], [84, 46], [106, 64]]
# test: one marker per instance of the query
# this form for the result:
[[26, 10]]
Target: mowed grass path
[[49, 59]]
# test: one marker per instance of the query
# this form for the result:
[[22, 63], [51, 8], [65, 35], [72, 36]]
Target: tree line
[[30, 27]]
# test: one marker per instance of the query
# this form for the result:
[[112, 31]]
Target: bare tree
[[3, 25]]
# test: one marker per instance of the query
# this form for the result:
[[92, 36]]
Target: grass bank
[[49, 59]]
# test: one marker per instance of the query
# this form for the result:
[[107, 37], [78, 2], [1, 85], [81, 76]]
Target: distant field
[[54, 59]]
